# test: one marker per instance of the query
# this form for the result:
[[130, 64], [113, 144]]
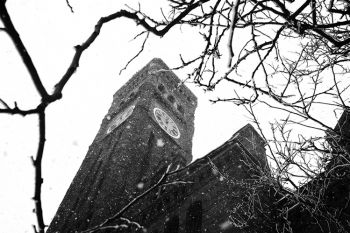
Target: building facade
[[138, 177]]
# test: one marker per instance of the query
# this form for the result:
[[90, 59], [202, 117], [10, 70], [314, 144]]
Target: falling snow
[[225, 225], [140, 185], [160, 142]]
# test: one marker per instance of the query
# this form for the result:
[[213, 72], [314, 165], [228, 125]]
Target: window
[[171, 98], [161, 88], [180, 108], [194, 218], [172, 226]]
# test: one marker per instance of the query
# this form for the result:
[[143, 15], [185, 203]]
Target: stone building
[[143, 151]]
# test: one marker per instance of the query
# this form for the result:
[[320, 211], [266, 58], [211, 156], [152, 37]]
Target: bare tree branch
[[27, 60], [295, 81], [161, 181], [4, 103], [70, 6], [79, 49], [38, 176], [138, 53], [17, 110]]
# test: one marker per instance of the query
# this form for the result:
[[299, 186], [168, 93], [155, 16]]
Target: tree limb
[[70, 6], [27, 60], [135, 16], [138, 53], [38, 176]]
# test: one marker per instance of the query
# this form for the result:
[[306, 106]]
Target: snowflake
[[225, 225], [140, 185], [160, 142]]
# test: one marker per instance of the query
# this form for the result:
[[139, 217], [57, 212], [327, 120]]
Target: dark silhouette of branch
[[27, 60], [70, 6], [345, 11], [18, 111], [293, 81], [4, 104], [40, 110], [38, 176], [136, 16], [138, 53]]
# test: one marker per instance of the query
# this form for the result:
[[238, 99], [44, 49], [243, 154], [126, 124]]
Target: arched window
[[194, 218], [172, 226]]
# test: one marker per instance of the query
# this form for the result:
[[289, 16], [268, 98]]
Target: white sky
[[49, 31]]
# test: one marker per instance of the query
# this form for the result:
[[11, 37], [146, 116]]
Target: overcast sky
[[50, 31]]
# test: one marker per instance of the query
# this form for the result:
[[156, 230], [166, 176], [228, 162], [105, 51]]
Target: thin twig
[[4, 103], [17, 110], [131, 203], [135, 16], [38, 176], [70, 6], [139, 52]]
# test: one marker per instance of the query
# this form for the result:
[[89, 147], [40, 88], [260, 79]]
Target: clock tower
[[149, 126]]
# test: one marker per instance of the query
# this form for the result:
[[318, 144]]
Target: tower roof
[[154, 71], [248, 131], [248, 138]]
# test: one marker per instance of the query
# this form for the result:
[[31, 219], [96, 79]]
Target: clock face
[[167, 124], [120, 118]]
